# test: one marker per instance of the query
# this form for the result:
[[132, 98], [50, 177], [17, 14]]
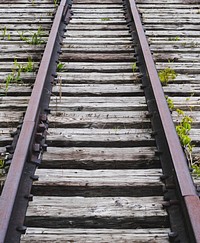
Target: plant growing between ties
[[134, 67], [105, 19], [34, 39], [55, 3], [15, 76], [183, 129], [176, 38], [2, 165], [29, 67], [166, 75], [59, 67], [5, 34], [170, 103]]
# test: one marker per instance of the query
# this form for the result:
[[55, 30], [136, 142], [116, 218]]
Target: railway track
[[174, 41], [100, 179], [22, 46], [173, 48]]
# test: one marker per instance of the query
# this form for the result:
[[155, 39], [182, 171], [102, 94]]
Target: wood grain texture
[[98, 183], [100, 173], [95, 235], [120, 212]]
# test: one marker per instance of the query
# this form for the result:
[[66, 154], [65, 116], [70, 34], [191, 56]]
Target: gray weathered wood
[[95, 158], [47, 235], [100, 89], [76, 207], [98, 77], [99, 137], [98, 119], [63, 182]]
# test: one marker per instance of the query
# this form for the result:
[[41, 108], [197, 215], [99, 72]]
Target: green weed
[[22, 37], [5, 34], [176, 38], [183, 129], [8, 80], [29, 67], [34, 39], [196, 170], [170, 103], [1, 163], [15, 76], [105, 19], [134, 66], [166, 75], [60, 67], [55, 3]]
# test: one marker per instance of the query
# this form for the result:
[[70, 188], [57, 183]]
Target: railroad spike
[[36, 161], [8, 162], [48, 111], [166, 197], [39, 137], [9, 149], [174, 202], [36, 147], [198, 188], [9, 157], [165, 190], [143, 86], [12, 134], [34, 177], [164, 177], [166, 204], [22, 229], [29, 197], [172, 235], [158, 152], [140, 76], [170, 186], [44, 146], [41, 128], [19, 127], [54, 75], [149, 115], [154, 133]]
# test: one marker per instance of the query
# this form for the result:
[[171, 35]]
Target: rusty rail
[[31, 144], [169, 148]]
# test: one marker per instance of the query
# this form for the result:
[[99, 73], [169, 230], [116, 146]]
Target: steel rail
[[188, 195], [19, 173]]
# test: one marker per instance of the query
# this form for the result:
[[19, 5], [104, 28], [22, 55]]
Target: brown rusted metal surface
[[179, 162], [193, 206], [25, 142], [13, 178]]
